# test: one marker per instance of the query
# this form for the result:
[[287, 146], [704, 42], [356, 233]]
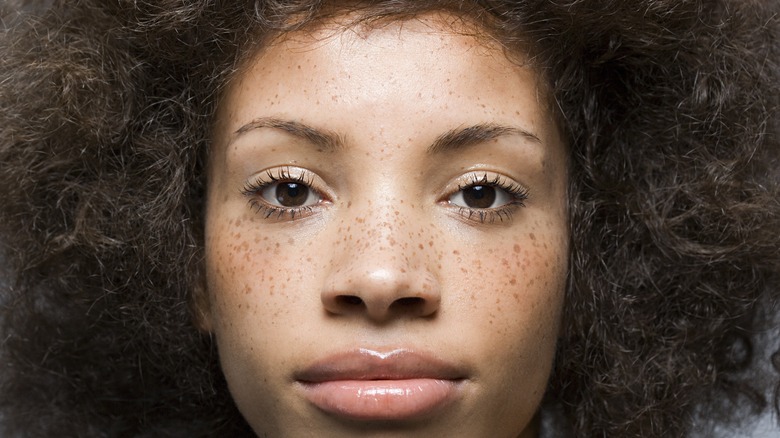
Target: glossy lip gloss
[[369, 385]]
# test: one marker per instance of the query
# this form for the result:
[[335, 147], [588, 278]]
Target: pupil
[[291, 194], [479, 196]]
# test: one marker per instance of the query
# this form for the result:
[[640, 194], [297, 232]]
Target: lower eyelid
[[488, 216], [268, 211]]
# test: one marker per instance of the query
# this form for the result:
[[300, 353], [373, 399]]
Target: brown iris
[[479, 196], [291, 194]]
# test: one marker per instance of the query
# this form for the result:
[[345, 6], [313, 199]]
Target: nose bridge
[[386, 232], [378, 268]]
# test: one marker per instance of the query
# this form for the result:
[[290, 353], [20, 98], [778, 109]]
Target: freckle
[[517, 296], [349, 204], [473, 298], [430, 243], [456, 252], [421, 246], [517, 248], [513, 281], [531, 235]]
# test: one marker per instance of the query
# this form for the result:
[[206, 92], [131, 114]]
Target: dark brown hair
[[670, 109]]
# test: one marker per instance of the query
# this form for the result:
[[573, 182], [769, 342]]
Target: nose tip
[[383, 294]]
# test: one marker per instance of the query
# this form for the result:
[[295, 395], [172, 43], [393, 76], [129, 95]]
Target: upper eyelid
[[284, 173], [476, 177], [273, 175]]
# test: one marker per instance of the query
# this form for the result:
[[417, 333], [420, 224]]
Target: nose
[[381, 275]]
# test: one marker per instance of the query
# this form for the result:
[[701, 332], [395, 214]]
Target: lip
[[369, 385]]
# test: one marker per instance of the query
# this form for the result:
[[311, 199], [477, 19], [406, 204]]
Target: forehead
[[366, 22], [334, 58], [361, 27], [414, 47]]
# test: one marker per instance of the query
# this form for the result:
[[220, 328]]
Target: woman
[[387, 218]]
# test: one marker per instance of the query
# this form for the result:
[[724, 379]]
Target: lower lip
[[404, 399]]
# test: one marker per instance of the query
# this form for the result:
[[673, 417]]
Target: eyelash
[[253, 190], [517, 193]]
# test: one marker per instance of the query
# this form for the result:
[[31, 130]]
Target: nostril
[[408, 302], [349, 300]]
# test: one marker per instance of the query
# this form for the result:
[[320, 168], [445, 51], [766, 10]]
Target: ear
[[200, 305]]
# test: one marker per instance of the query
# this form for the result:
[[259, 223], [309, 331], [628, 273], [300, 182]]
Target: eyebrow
[[460, 138], [324, 139], [452, 140]]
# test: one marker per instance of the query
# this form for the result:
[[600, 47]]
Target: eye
[[480, 196], [487, 198], [283, 193], [289, 194]]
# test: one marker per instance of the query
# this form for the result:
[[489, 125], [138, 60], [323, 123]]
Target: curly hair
[[670, 111]]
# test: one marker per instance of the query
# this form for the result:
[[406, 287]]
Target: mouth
[[368, 385]]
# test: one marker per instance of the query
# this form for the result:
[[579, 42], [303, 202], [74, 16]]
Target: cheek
[[512, 287], [253, 280], [508, 307]]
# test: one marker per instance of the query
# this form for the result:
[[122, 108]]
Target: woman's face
[[386, 235]]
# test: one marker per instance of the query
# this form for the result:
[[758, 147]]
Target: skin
[[384, 257]]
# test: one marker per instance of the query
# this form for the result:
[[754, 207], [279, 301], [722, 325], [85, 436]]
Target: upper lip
[[367, 364]]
